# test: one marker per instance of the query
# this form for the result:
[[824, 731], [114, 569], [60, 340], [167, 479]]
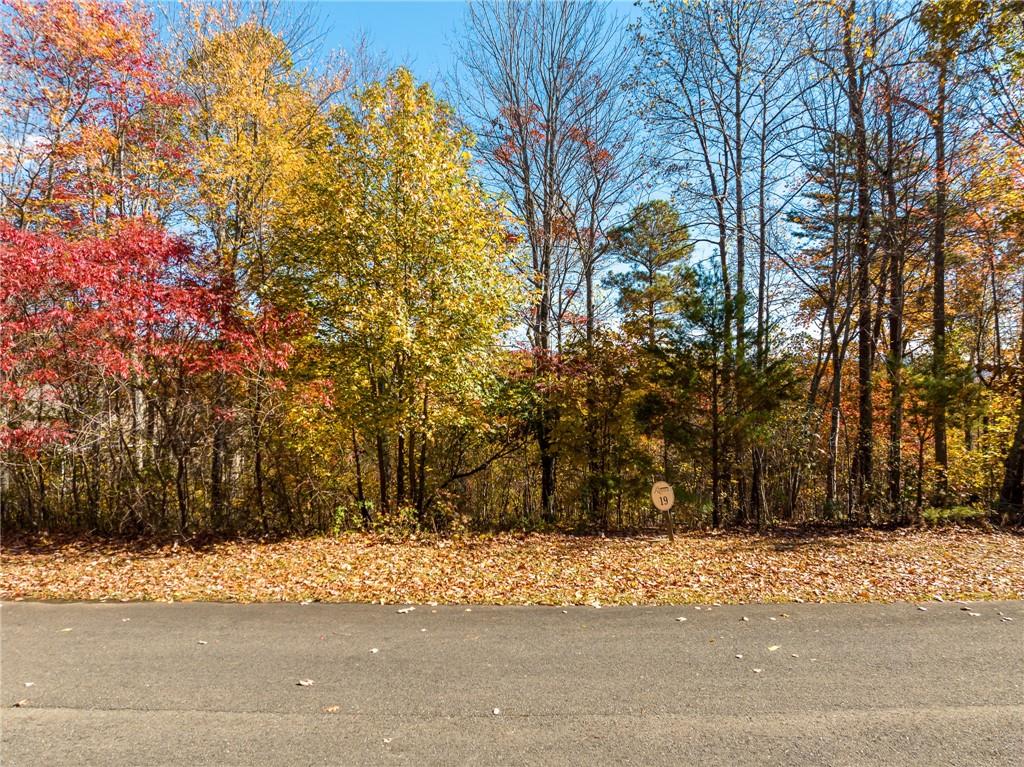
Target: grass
[[955, 515]]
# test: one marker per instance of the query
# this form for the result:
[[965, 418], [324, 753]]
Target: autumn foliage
[[245, 288]]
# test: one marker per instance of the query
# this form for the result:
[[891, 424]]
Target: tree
[[88, 116], [556, 136], [404, 268], [82, 324], [254, 114], [946, 23], [655, 245]]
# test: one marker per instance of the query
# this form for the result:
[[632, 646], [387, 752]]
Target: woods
[[771, 252]]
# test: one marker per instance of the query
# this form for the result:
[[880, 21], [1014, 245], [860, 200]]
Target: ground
[[726, 568], [287, 684]]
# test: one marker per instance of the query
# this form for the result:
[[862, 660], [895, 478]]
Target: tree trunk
[[400, 472], [382, 474], [217, 461], [939, 290], [1011, 495], [257, 440], [716, 485], [741, 239], [854, 89], [895, 367], [364, 509], [547, 472], [835, 395], [181, 489]]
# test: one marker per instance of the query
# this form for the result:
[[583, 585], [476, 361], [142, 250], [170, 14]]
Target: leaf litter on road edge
[[911, 565]]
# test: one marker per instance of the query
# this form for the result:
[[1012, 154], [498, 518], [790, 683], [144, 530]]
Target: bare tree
[[555, 133], [718, 84]]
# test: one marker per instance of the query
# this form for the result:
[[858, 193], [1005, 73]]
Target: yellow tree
[[255, 116], [989, 296], [404, 261]]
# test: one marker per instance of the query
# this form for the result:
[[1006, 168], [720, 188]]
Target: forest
[[770, 252]]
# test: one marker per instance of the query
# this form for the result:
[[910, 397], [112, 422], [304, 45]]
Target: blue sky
[[417, 34], [421, 35]]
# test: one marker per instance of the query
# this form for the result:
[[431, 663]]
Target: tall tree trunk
[[895, 366], [593, 496], [741, 224], [939, 289], [545, 426], [854, 89], [726, 377], [757, 495]]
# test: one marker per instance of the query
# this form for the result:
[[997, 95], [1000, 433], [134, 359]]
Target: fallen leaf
[[332, 709], [542, 568], [773, 648], [405, 610]]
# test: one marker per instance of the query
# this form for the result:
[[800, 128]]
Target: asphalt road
[[217, 684]]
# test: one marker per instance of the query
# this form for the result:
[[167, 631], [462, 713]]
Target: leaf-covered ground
[[533, 569]]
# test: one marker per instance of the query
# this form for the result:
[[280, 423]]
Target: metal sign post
[[662, 497]]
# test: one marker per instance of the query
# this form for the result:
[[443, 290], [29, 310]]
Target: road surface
[[218, 684]]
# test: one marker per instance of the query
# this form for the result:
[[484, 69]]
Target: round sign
[[662, 496]]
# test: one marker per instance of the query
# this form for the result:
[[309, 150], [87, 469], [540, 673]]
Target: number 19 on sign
[[662, 497]]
